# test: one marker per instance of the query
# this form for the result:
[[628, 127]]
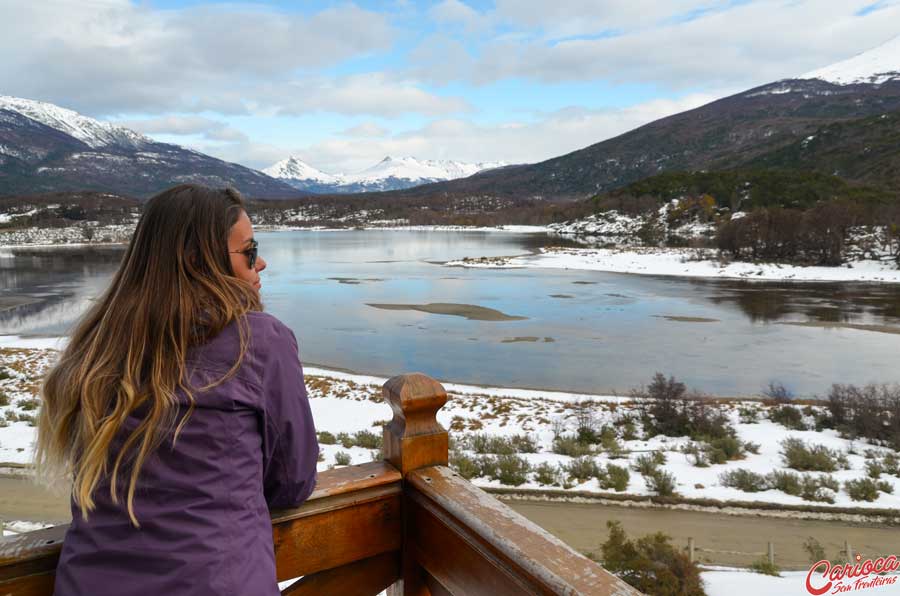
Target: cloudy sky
[[342, 84]]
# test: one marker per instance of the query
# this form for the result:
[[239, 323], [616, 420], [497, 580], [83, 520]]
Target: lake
[[572, 330]]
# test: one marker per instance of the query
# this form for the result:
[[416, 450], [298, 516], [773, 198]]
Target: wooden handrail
[[409, 524], [469, 542], [353, 514]]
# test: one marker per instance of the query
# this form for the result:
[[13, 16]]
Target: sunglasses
[[252, 251]]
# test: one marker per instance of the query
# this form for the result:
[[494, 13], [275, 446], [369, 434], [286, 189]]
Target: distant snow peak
[[93, 133], [876, 66], [294, 168], [391, 173]]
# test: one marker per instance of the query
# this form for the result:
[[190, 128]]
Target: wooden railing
[[408, 524]]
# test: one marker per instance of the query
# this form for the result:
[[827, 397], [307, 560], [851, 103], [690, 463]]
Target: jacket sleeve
[[290, 447]]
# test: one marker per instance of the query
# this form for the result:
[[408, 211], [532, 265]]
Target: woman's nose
[[260, 263]]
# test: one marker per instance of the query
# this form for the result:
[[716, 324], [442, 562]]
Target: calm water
[[595, 331]]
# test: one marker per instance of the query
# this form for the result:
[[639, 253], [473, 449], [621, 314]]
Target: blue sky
[[341, 84]]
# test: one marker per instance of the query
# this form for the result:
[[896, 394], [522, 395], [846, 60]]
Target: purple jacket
[[203, 505]]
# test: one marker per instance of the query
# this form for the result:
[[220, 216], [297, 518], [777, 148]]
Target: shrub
[[874, 469], [326, 438], [788, 417], [765, 567], [872, 412], [464, 465], [787, 482], [4, 399], [545, 474], [665, 412], [512, 470], [29, 405], [4, 374], [866, 489], [724, 449], [744, 480], [891, 464], [345, 440], [648, 462], [524, 443], [367, 439], [585, 423], [778, 393], [487, 466], [629, 431], [571, 446], [582, 468], [748, 415], [818, 489], [342, 459], [651, 564], [660, 482], [815, 458], [484, 443], [609, 442], [615, 478], [751, 447], [706, 421]]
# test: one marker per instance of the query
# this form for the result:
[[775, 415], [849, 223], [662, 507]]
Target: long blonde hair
[[174, 289]]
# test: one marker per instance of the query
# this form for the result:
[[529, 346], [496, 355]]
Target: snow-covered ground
[[349, 403], [685, 262]]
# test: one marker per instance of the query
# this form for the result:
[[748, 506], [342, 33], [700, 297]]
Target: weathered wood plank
[[353, 513], [360, 578], [331, 536], [473, 544]]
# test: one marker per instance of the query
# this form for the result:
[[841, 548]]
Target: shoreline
[[346, 404], [318, 369], [687, 263], [684, 263]]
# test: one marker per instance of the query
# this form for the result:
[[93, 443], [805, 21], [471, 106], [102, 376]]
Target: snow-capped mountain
[[47, 148], [874, 67], [294, 168], [93, 133], [391, 173]]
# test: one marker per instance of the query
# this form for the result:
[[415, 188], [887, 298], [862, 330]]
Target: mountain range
[[46, 148], [838, 120], [391, 173], [734, 132]]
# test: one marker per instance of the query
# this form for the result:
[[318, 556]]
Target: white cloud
[[111, 56], [209, 129], [368, 93], [552, 134], [675, 44], [454, 12], [365, 129]]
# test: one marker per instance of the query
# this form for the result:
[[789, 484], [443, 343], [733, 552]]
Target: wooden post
[[691, 549], [770, 551], [413, 439]]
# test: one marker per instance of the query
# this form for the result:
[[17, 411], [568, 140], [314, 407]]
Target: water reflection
[[609, 331], [45, 290], [825, 302]]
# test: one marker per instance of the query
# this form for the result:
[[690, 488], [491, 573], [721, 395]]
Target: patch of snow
[[94, 133], [687, 262], [876, 66]]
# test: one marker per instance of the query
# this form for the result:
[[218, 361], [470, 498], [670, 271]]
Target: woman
[[179, 413]]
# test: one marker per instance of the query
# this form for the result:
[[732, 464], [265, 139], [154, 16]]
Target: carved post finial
[[414, 439]]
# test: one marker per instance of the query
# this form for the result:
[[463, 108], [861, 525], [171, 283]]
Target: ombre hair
[[174, 289]]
